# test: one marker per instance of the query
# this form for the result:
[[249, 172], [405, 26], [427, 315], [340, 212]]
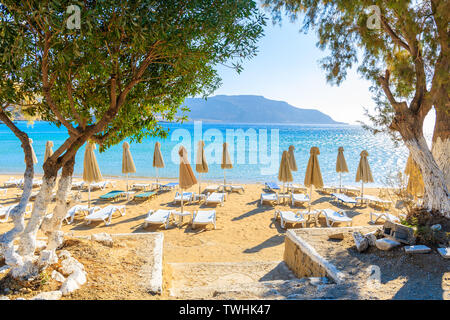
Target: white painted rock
[[50, 295], [386, 244], [63, 254], [417, 249], [69, 286], [4, 269], [103, 238], [58, 276], [40, 245], [69, 265], [360, 241], [444, 252], [47, 257], [79, 276], [4, 298], [371, 237]]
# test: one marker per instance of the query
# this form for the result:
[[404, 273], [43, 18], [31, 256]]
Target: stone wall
[[301, 263]]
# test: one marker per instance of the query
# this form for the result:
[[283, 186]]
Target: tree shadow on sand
[[273, 241]]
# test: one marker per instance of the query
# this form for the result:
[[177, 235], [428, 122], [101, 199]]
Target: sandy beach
[[246, 231]]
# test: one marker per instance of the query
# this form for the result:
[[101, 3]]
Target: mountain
[[252, 109]]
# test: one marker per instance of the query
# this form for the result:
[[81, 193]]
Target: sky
[[287, 68]]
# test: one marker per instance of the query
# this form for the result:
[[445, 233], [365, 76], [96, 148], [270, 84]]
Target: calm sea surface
[[255, 159]]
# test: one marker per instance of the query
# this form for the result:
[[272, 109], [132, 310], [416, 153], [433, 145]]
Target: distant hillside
[[252, 109]]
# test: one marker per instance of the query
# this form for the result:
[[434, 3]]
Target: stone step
[[240, 280]]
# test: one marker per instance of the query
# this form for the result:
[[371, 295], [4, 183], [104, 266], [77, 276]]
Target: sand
[[245, 230]]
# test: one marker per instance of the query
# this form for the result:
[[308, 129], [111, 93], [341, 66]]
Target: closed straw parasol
[[127, 161], [33, 155], [284, 172], [292, 162], [201, 166], [226, 161], [48, 150], [363, 173], [313, 176], [158, 161], [415, 182], [341, 165], [91, 171], [187, 178]]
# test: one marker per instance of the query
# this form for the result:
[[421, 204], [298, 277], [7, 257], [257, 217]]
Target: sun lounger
[[102, 185], [333, 217], [158, 217], [216, 198], [105, 214], [145, 195], [299, 197], [350, 189], [78, 185], [12, 182], [141, 186], [329, 189], [5, 211], [212, 188], [375, 200], [187, 197], [233, 187], [269, 197], [204, 218], [289, 217], [169, 186], [386, 216], [340, 197], [113, 195], [296, 187], [272, 186], [72, 212]]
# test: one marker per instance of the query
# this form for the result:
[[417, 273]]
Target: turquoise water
[[252, 162]]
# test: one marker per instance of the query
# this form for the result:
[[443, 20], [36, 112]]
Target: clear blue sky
[[287, 68]]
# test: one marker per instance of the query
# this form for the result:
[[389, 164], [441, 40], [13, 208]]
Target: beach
[[245, 230]]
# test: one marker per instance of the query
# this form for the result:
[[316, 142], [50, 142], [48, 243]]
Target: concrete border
[[332, 271]]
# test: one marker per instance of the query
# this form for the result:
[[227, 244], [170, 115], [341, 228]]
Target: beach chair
[[385, 204], [212, 188], [78, 185], [299, 198], [328, 189], [350, 189], [144, 195], [141, 186], [333, 217], [158, 217], [289, 217], [5, 211], [204, 218], [269, 197], [233, 188], [12, 182], [113, 195], [187, 197], [103, 184], [105, 214], [169, 186], [70, 215], [215, 198], [342, 198], [386, 216], [273, 186], [296, 188]]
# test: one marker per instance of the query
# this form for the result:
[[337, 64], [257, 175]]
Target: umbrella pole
[[224, 179], [89, 196], [127, 188], [310, 197], [157, 176], [199, 187], [340, 182], [181, 215]]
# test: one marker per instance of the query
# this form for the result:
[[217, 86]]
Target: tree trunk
[[52, 227], [17, 214], [441, 142]]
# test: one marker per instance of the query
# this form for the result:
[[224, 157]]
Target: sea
[[255, 150]]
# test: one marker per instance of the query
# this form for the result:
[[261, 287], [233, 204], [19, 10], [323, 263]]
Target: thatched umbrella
[[284, 172], [91, 171], [127, 161], [187, 178], [201, 166], [33, 155], [158, 161], [226, 161], [363, 173], [313, 176], [415, 182], [341, 165], [292, 162], [48, 150]]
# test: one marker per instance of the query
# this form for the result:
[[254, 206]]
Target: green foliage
[[144, 56], [342, 28]]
